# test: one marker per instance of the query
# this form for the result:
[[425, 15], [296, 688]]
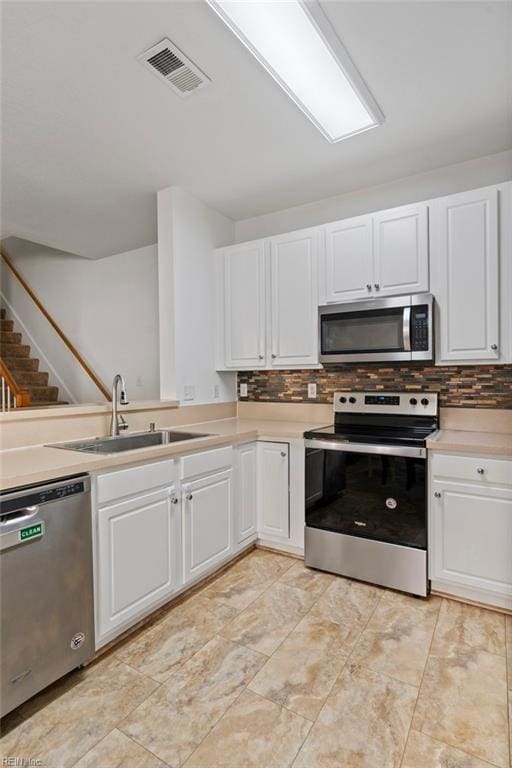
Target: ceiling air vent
[[169, 64]]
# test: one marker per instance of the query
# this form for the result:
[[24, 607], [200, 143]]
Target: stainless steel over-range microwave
[[397, 329]]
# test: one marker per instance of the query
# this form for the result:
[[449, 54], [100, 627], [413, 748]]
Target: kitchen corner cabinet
[[273, 491], [246, 492], [207, 523], [267, 303], [380, 254], [465, 259], [470, 535], [241, 306]]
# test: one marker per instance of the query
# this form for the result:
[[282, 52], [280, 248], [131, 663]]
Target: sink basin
[[130, 442]]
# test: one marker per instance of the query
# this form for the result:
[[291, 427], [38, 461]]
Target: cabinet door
[[246, 492], [207, 523], [294, 298], [244, 305], [137, 548], [273, 490], [348, 263], [401, 250], [464, 258], [471, 542]]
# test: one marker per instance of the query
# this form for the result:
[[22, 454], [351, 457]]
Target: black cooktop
[[377, 429]]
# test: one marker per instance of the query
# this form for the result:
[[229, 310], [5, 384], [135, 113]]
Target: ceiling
[[89, 135]]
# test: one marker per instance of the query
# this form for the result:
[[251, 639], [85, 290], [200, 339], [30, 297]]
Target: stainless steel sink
[[130, 442]]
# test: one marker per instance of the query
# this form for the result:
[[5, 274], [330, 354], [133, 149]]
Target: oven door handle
[[386, 450], [406, 327]]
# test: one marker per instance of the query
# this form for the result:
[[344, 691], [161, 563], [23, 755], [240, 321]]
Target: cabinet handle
[[274, 355], [189, 497], [260, 357], [377, 286], [283, 454], [174, 500], [480, 470], [368, 286], [494, 347], [437, 494]]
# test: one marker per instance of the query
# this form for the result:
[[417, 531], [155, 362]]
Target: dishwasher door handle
[[19, 516]]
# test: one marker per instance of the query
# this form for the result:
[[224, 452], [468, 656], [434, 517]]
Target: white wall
[[108, 309], [442, 181], [188, 231]]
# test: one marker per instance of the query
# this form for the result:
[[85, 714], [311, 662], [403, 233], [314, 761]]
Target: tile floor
[[272, 665]]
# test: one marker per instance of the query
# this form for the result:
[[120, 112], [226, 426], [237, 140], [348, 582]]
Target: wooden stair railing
[[98, 383], [13, 396]]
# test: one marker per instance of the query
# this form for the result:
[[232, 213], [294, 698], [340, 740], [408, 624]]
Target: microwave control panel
[[420, 328]]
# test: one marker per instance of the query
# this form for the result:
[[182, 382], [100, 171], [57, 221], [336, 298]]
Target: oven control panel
[[424, 403]]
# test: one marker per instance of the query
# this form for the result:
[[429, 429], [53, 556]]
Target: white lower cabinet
[[154, 534], [136, 559], [471, 528], [207, 523], [246, 493], [273, 490]]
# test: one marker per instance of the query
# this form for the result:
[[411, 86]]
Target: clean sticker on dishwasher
[[31, 531], [391, 503]]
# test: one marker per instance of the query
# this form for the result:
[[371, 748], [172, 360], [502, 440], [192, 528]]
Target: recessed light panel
[[296, 44]]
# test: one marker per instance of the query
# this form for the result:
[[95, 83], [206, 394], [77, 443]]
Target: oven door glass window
[[359, 332], [373, 496]]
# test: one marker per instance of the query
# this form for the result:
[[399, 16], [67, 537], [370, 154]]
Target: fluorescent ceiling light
[[297, 45]]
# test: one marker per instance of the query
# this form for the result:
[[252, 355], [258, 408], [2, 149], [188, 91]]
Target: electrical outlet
[[189, 392], [138, 381], [312, 390], [243, 390], [216, 391]]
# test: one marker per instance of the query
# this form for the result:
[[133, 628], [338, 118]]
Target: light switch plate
[[312, 390], [243, 390]]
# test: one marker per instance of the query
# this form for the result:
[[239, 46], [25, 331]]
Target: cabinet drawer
[[477, 469], [207, 461], [134, 480]]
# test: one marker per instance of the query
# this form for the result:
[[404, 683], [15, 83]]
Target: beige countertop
[[33, 464], [461, 441]]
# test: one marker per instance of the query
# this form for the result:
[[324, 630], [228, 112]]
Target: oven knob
[[352, 399], [413, 401], [424, 401], [343, 399]]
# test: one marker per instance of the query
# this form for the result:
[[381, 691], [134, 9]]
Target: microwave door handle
[[407, 329]]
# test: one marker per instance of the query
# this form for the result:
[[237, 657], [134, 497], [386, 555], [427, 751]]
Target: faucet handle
[[122, 423]]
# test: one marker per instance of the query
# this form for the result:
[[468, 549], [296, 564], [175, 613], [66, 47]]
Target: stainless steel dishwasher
[[47, 617]]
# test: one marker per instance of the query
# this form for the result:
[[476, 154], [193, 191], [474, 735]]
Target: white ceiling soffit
[[297, 45], [86, 146], [171, 66]]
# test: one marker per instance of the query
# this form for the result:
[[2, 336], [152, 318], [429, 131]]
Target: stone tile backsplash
[[471, 386]]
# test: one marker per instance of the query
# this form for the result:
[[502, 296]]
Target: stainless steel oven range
[[366, 484]]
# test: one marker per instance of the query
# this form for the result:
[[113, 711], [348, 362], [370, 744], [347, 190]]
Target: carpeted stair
[[24, 368]]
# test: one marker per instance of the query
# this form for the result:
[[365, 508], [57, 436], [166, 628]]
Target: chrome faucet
[[118, 423]]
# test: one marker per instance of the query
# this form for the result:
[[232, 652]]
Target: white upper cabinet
[[401, 250], [381, 254], [465, 267], [348, 260], [294, 298], [242, 280]]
